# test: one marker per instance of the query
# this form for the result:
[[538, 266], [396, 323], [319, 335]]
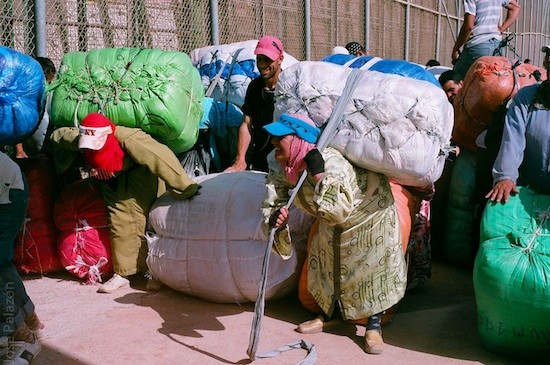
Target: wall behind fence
[[415, 30]]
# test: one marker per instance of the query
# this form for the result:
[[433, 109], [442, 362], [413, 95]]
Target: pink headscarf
[[298, 150]]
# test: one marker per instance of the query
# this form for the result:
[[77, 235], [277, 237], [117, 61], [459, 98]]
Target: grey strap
[[229, 73], [216, 80], [326, 136]]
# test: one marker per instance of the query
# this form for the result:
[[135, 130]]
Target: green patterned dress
[[358, 236]]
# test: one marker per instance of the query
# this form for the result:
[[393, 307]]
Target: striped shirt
[[487, 18]]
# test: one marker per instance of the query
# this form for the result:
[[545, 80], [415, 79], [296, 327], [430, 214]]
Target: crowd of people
[[133, 170]]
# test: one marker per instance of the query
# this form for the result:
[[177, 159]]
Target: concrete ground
[[435, 325]]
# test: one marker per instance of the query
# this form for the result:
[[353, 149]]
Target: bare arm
[[464, 34], [513, 9], [242, 145], [20, 151]]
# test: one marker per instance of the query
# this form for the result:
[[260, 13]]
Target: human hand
[[21, 154], [198, 192], [237, 166], [314, 162], [502, 191], [278, 218], [454, 56]]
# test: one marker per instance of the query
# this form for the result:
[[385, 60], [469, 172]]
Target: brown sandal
[[316, 325], [373, 342]]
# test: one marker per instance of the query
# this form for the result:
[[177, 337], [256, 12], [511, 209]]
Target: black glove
[[314, 162], [273, 218]]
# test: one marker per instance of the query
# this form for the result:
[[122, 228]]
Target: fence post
[[307, 25], [214, 19], [40, 28]]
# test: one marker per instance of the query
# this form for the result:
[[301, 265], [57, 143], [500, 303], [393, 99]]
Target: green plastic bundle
[[156, 90], [512, 276], [457, 242]]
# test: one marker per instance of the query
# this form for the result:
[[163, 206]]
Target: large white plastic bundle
[[394, 125], [212, 246], [239, 64]]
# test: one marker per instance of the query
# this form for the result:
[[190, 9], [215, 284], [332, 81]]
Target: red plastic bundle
[[84, 243], [36, 244], [490, 82]]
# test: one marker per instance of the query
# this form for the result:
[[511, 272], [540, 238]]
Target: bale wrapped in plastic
[[395, 125], [212, 246], [511, 276], [490, 82], [222, 119], [457, 241], [36, 244], [84, 243], [156, 90], [387, 66], [228, 69], [22, 95]]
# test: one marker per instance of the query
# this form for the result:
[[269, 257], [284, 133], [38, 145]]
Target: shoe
[[114, 283], [373, 342], [39, 332], [153, 284], [316, 325], [21, 352]]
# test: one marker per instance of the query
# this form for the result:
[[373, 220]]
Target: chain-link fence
[[415, 30]]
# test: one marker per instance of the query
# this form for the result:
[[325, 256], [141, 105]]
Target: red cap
[[270, 47]]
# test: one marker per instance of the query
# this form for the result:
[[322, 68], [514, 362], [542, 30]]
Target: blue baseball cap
[[299, 124]]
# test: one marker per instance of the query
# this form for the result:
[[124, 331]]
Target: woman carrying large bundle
[[358, 234]]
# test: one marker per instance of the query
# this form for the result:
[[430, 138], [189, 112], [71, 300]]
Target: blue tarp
[[22, 95]]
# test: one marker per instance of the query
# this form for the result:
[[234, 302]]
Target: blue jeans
[[15, 304], [471, 54]]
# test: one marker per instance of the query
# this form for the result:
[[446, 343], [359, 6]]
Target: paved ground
[[436, 325]]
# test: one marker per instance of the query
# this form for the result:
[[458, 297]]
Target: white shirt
[[10, 178]]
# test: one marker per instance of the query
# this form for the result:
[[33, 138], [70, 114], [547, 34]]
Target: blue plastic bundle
[[219, 118], [22, 95], [396, 67]]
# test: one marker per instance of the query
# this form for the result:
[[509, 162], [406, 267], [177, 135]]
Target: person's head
[[451, 82], [355, 49], [546, 50], [527, 61], [269, 56], [48, 67], [432, 63], [100, 147], [293, 136]]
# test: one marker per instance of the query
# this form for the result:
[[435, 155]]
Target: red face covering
[[108, 159]]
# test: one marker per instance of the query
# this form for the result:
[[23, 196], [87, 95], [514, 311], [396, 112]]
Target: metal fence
[[415, 30]]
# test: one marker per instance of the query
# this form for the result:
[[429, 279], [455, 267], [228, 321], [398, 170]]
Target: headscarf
[[303, 133], [295, 164], [108, 159]]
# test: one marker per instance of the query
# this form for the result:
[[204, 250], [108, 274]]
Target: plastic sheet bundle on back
[[230, 67], [156, 90], [490, 82], [22, 95], [394, 125], [212, 246], [387, 66], [511, 276]]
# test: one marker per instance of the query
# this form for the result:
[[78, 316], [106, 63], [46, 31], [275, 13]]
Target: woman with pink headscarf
[[358, 234]]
